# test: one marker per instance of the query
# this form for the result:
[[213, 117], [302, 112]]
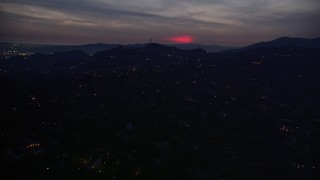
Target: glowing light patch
[[182, 39]]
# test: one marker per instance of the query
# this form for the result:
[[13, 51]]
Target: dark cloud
[[128, 21]]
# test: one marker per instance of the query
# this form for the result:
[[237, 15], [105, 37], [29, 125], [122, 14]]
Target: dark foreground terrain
[[157, 112]]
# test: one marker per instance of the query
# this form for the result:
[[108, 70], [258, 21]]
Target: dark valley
[[158, 112]]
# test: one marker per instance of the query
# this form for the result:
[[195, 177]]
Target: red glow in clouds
[[182, 39]]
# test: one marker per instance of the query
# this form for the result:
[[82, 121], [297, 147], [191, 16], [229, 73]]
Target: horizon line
[[93, 43]]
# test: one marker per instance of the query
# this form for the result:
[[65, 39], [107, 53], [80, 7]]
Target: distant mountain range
[[208, 48], [92, 49]]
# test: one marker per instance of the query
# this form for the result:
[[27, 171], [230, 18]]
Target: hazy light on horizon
[[181, 39]]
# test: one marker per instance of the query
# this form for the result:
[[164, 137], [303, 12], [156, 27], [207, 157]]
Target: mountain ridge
[[287, 41], [10, 50]]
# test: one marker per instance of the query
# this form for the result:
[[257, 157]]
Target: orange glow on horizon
[[181, 39]]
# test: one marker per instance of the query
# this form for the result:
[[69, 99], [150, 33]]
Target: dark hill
[[287, 41], [148, 50]]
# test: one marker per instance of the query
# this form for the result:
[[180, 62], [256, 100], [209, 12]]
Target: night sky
[[223, 22]]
